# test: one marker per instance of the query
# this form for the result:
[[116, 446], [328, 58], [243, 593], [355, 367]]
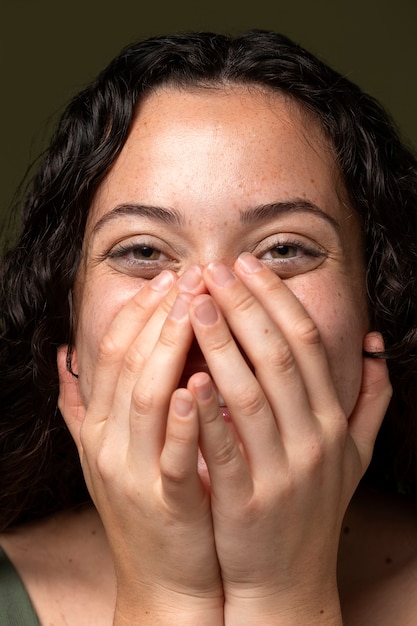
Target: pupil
[[147, 252], [283, 250]]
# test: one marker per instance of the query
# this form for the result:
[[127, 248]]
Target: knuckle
[[314, 455], [108, 350], [282, 359], [106, 463], [137, 306], [173, 472], [212, 418], [134, 359], [142, 401], [165, 306], [220, 345], [226, 454], [104, 466], [244, 302], [251, 401], [168, 340], [306, 331]]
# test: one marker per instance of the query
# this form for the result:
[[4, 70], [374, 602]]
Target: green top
[[16, 608]]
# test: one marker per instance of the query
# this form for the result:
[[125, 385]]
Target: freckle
[[388, 560], [266, 331], [321, 612], [93, 532]]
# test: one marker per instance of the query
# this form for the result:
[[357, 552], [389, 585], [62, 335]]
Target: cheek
[[341, 317], [99, 307]]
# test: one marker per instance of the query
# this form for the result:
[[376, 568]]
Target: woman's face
[[206, 175]]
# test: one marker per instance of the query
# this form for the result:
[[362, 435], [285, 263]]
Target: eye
[[289, 257], [283, 251], [141, 253], [137, 253], [139, 259]]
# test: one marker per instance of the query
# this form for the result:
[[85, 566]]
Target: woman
[[217, 259]]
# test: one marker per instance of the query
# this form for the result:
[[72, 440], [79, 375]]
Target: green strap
[[16, 608]]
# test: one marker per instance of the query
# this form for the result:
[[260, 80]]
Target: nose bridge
[[211, 255], [214, 243]]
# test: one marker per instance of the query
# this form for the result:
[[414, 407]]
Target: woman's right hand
[[138, 444]]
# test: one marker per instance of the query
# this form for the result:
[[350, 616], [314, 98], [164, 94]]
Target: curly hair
[[39, 467]]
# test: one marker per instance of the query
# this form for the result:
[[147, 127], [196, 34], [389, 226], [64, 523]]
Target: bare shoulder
[[65, 565], [378, 560]]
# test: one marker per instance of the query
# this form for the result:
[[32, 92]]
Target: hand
[[280, 486], [138, 444]]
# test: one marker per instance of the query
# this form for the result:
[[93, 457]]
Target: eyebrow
[[256, 214], [171, 217], [265, 212]]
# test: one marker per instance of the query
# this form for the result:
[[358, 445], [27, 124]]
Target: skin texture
[[209, 158], [236, 193]]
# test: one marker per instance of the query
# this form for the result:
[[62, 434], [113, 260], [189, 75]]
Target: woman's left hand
[[282, 476]]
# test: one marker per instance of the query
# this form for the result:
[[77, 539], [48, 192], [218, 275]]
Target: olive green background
[[51, 49]]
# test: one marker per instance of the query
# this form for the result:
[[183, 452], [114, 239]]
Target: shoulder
[[377, 565], [15, 604], [66, 568]]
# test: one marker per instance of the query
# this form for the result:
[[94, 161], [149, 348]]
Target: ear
[[69, 401], [373, 400]]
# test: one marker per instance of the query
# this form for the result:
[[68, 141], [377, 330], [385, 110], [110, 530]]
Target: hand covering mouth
[[197, 363]]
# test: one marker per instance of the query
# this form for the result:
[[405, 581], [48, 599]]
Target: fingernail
[[182, 403], [203, 389], [206, 312], [221, 274], [249, 263], [179, 308], [190, 279], [162, 282]]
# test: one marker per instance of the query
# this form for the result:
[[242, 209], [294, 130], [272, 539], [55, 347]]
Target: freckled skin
[[213, 153]]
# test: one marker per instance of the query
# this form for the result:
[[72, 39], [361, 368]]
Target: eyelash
[[285, 267], [306, 250], [122, 250]]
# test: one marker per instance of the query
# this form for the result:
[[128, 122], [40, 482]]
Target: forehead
[[230, 147]]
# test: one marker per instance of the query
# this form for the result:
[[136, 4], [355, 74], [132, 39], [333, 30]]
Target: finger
[[122, 332], [180, 483], [248, 406], [299, 330], [151, 394], [133, 333], [374, 397], [270, 352], [227, 466]]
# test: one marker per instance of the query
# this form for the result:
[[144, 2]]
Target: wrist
[[167, 608], [284, 609], [161, 617]]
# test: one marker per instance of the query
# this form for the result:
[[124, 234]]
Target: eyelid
[[120, 256], [308, 247], [122, 249], [137, 241], [309, 255]]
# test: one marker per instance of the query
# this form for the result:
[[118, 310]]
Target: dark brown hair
[[39, 466]]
